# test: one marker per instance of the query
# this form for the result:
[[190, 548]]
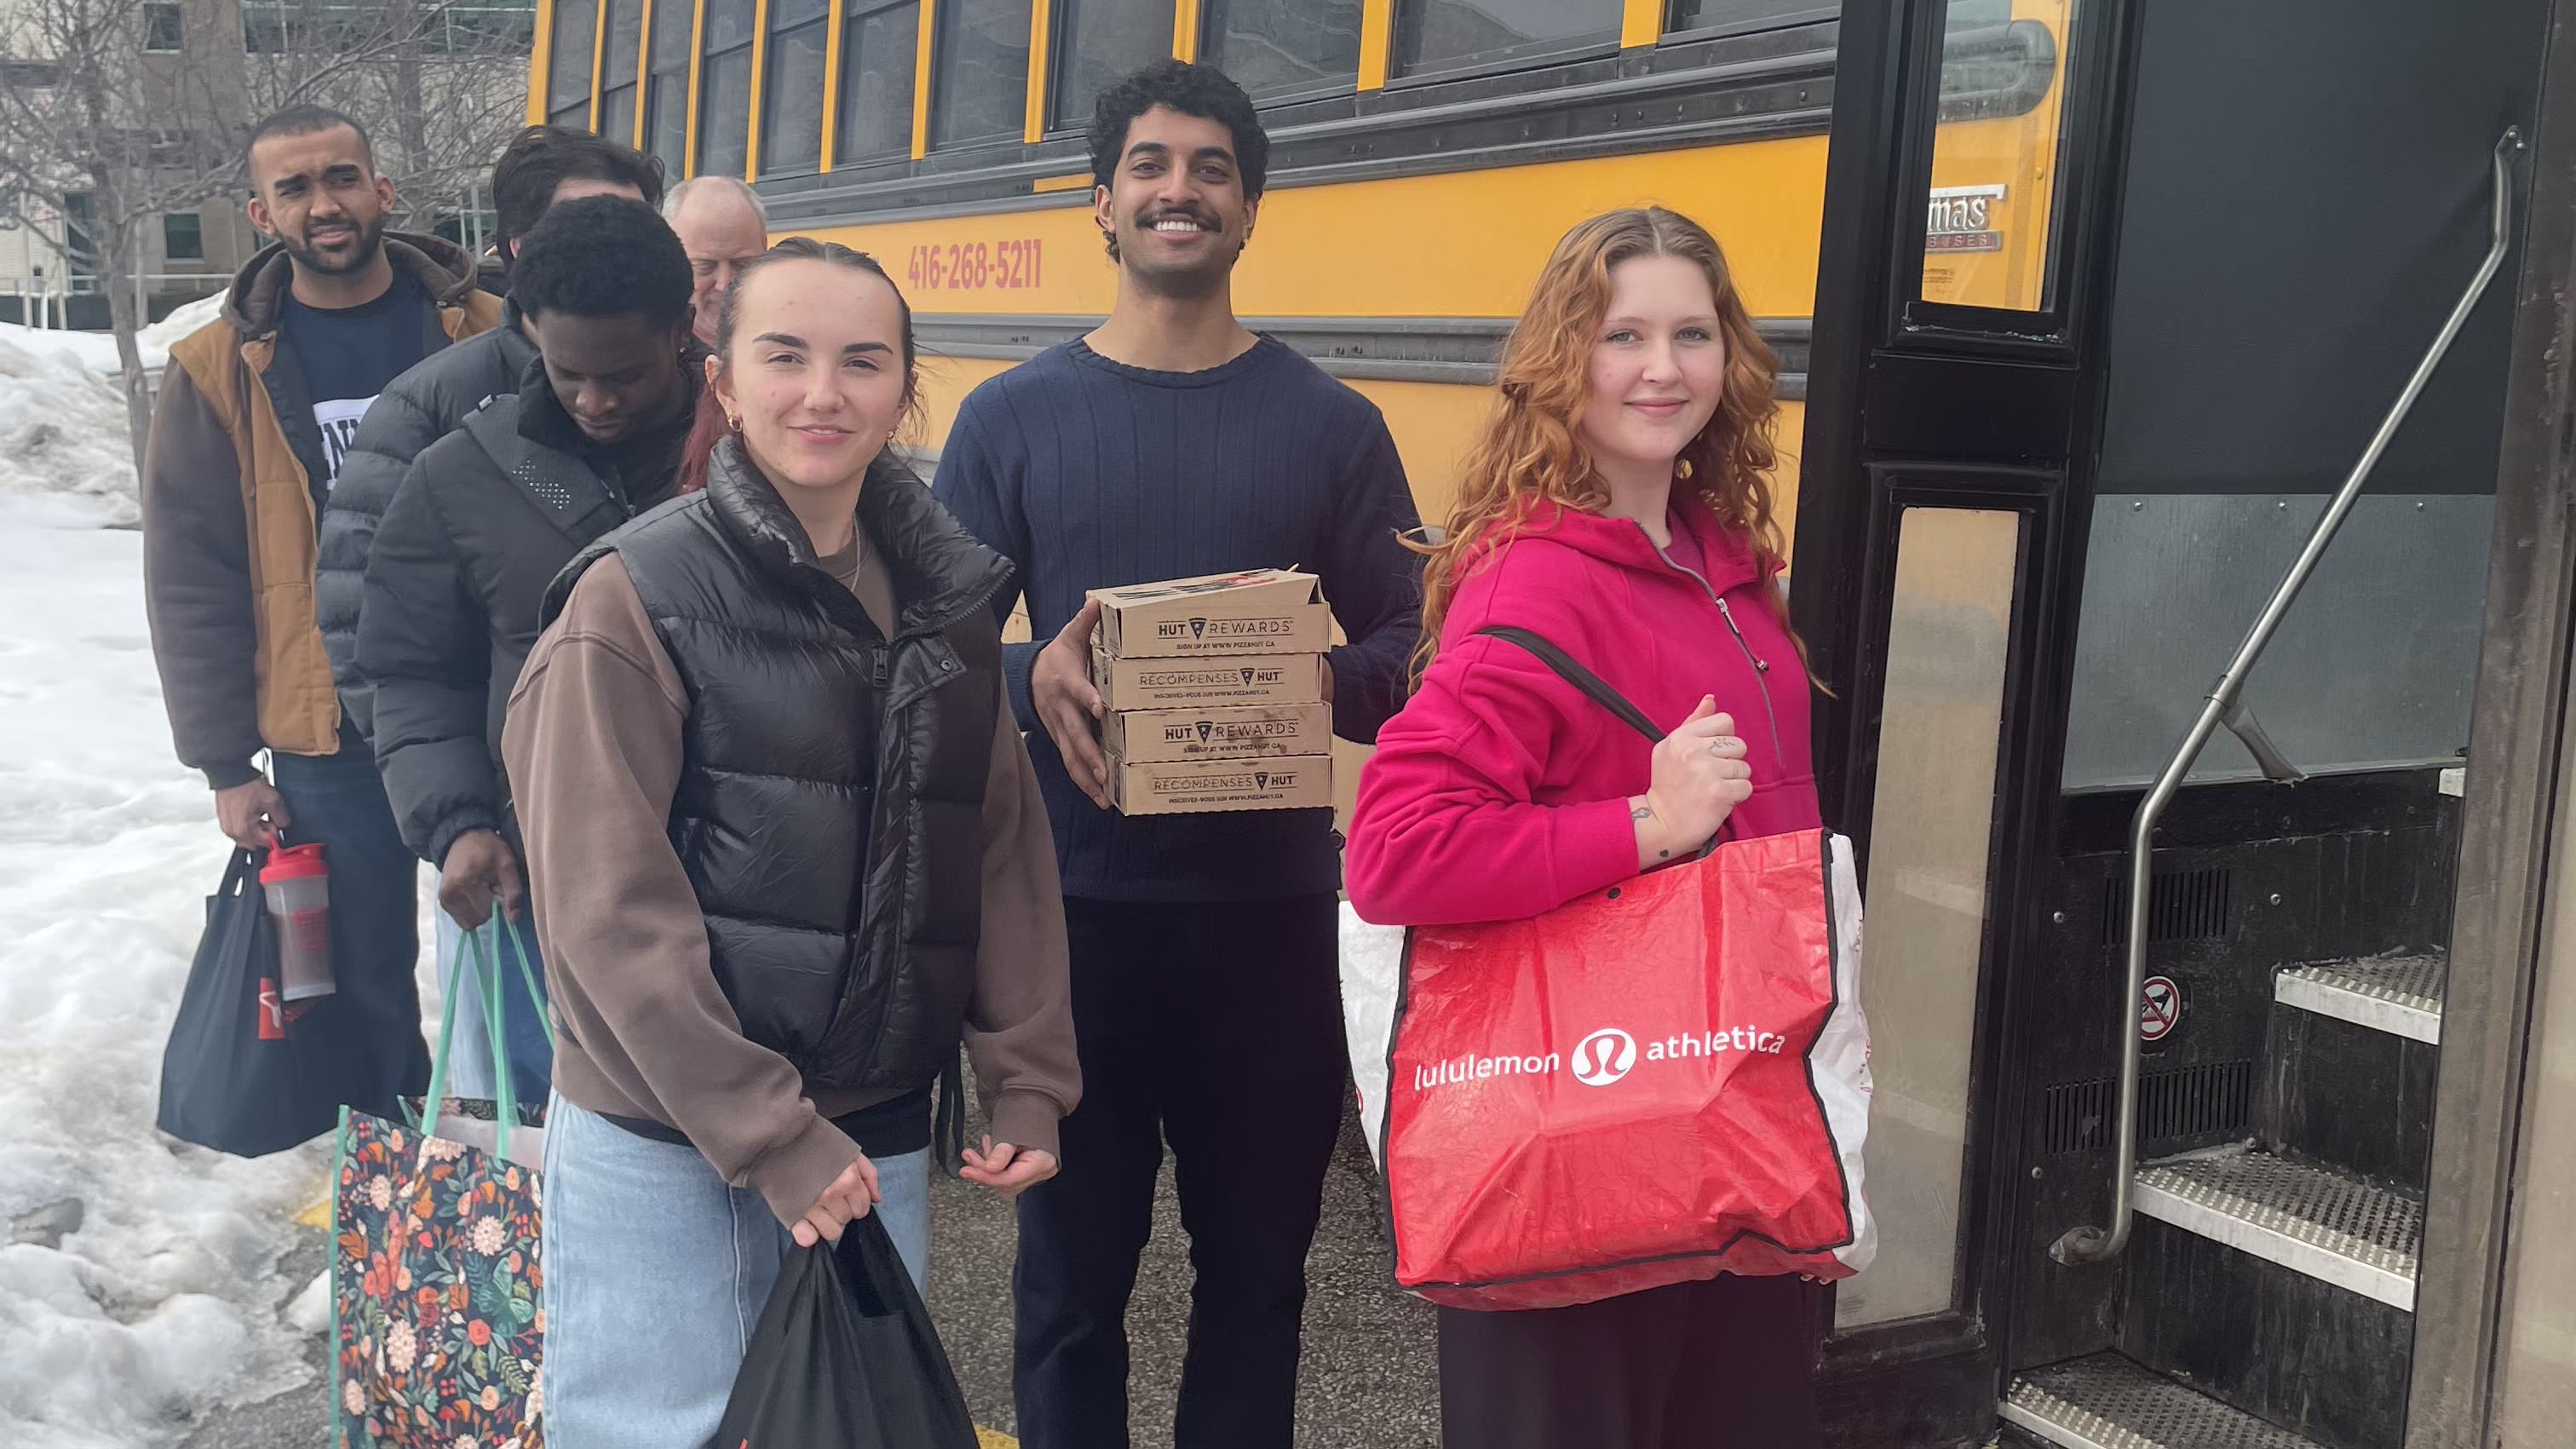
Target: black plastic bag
[[238, 1075], [845, 1357]]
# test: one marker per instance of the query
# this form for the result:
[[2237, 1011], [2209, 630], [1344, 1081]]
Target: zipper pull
[[1760, 664]]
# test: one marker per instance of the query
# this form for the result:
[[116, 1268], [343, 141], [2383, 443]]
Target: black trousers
[[1216, 1027], [1725, 1364]]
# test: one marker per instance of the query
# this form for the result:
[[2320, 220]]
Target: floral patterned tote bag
[[437, 1337]]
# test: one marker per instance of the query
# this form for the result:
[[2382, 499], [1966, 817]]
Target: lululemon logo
[[1198, 628], [1604, 1057]]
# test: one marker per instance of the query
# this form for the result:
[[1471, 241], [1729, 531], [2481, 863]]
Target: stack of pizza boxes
[[1215, 694]]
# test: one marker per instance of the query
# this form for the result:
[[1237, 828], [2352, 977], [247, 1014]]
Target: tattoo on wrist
[[1641, 812]]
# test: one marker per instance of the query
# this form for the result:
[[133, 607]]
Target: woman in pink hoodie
[[1615, 505]]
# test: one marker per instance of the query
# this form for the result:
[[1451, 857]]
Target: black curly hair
[[603, 256], [1193, 90]]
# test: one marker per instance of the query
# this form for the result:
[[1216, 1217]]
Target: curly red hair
[[1529, 448]]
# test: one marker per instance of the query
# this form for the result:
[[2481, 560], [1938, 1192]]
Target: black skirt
[[1725, 1364]]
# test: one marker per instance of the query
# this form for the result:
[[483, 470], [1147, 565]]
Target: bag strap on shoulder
[[1593, 685]]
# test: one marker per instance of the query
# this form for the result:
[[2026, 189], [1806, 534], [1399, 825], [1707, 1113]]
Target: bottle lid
[[293, 862]]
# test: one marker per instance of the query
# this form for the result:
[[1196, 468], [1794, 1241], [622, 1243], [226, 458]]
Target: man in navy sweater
[[1170, 442]]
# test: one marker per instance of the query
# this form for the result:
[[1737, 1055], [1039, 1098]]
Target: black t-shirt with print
[[348, 354]]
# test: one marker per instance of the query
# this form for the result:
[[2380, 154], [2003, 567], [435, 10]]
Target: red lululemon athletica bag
[[1660, 1082]]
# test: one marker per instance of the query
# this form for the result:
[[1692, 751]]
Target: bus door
[[2083, 391]]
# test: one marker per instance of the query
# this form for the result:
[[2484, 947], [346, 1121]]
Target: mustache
[[1185, 213]]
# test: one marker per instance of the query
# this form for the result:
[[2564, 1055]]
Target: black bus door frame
[[1919, 404]]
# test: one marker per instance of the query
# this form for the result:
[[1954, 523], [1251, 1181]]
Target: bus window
[[1988, 217], [791, 94], [1276, 47], [617, 70], [879, 51], [979, 87], [1696, 18], [568, 70], [724, 90], [666, 90], [1096, 43], [1445, 35]]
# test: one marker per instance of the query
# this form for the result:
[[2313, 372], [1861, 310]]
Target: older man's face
[[720, 231]]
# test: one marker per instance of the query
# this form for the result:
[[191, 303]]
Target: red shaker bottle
[[298, 886]]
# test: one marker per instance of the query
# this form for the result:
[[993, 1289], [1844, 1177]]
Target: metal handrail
[[2088, 1244]]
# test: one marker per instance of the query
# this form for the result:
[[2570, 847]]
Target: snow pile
[[141, 1281], [98, 349], [156, 340], [94, 350], [63, 432], [138, 1277]]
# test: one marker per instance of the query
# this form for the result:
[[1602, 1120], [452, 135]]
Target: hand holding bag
[[845, 1356], [1660, 1082], [245, 1073]]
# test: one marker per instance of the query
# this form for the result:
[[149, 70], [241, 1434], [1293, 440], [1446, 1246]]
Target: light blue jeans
[[656, 1273]]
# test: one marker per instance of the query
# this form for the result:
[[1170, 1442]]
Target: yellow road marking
[[991, 1440], [316, 1216]]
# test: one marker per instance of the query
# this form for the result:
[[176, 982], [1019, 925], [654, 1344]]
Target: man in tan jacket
[[256, 410]]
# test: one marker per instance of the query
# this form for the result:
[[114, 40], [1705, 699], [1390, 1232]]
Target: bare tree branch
[[89, 112]]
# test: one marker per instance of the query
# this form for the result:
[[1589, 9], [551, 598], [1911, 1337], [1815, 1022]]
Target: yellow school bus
[[1425, 156]]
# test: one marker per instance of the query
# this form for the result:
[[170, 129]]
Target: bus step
[[2308, 1219], [2401, 995], [2108, 1402]]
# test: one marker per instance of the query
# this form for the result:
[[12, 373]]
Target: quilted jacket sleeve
[[425, 648]]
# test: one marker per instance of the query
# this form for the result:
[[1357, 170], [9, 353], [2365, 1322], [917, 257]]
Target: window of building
[[183, 237], [666, 90], [487, 27], [1097, 44], [617, 74], [880, 50], [1720, 16], [80, 229], [164, 31], [347, 27], [979, 86], [791, 95], [1443, 35], [274, 27], [568, 65], [724, 90], [1277, 47]]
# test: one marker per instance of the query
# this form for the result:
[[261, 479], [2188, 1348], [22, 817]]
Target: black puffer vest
[[831, 795]]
